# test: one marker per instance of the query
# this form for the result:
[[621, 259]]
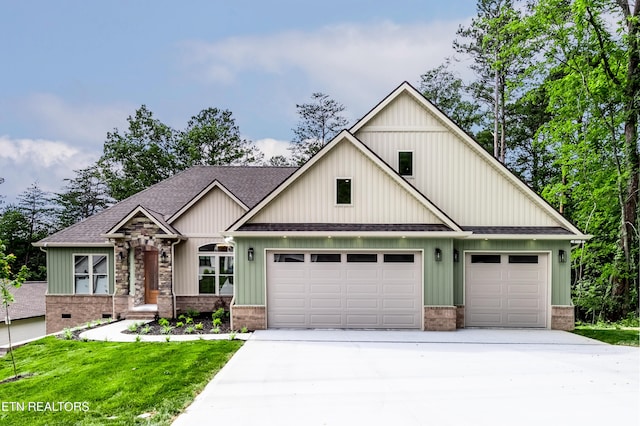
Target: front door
[[151, 277]]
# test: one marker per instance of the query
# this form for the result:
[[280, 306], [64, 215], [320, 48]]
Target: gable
[[376, 196], [210, 214], [452, 170]]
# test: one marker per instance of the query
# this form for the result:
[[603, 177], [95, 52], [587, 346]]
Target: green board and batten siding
[[561, 272], [60, 267], [438, 276]]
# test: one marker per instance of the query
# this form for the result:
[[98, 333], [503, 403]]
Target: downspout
[[173, 276]]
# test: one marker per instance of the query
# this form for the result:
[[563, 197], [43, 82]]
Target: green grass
[[116, 381], [610, 334]]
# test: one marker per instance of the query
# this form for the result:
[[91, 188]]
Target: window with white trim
[[215, 270], [90, 274]]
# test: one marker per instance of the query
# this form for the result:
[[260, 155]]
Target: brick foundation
[[252, 317], [201, 303], [440, 318], [563, 318], [459, 316], [81, 310]]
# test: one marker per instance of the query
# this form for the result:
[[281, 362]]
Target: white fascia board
[[79, 244], [214, 184], [348, 234], [547, 237]]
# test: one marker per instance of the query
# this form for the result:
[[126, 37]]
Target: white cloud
[[25, 161], [272, 147], [76, 122], [357, 63]]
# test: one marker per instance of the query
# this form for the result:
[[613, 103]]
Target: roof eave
[[548, 237], [348, 234], [47, 244]]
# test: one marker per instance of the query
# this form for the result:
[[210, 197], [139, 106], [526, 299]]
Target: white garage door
[[506, 290], [344, 290]]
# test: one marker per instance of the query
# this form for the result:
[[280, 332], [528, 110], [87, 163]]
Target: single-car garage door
[[506, 290], [307, 289]]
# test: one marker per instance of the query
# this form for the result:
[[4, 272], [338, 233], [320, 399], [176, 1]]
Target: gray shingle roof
[[248, 184], [29, 301]]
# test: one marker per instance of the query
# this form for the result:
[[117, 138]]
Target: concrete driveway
[[466, 377]]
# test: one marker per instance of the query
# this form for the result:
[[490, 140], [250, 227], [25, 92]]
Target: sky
[[71, 71]]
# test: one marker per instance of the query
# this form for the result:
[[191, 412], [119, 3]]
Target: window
[[215, 270], [398, 258], [485, 258], [405, 163], [326, 258], [523, 259], [288, 258], [343, 191], [362, 258], [90, 274]]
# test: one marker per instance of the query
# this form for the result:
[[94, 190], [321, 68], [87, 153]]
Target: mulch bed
[[205, 319]]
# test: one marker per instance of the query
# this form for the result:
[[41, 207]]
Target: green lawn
[[611, 335], [110, 383]]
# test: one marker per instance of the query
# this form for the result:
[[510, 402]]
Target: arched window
[[215, 269]]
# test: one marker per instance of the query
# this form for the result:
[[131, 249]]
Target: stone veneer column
[[440, 318], [563, 318], [252, 317]]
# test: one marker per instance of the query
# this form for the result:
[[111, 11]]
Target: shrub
[[189, 330], [199, 326], [179, 324], [193, 313], [163, 322]]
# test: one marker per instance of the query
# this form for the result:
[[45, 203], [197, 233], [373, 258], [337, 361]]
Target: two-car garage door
[[307, 289]]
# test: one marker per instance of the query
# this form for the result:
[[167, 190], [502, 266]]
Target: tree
[[449, 93], [212, 137], [9, 280], [320, 120], [84, 196], [594, 99], [140, 157], [496, 53], [34, 205]]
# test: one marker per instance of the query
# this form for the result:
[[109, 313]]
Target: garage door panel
[[511, 295], [325, 320], [364, 303], [290, 303], [362, 275], [325, 289], [399, 304], [355, 294], [399, 289], [362, 288]]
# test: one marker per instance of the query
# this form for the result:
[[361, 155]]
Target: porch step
[[143, 312], [141, 315]]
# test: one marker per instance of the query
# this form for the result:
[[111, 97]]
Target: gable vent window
[[343, 191], [405, 163]]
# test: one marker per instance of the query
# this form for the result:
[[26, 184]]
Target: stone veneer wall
[[563, 318], [81, 308], [142, 234], [252, 317], [440, 318]]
